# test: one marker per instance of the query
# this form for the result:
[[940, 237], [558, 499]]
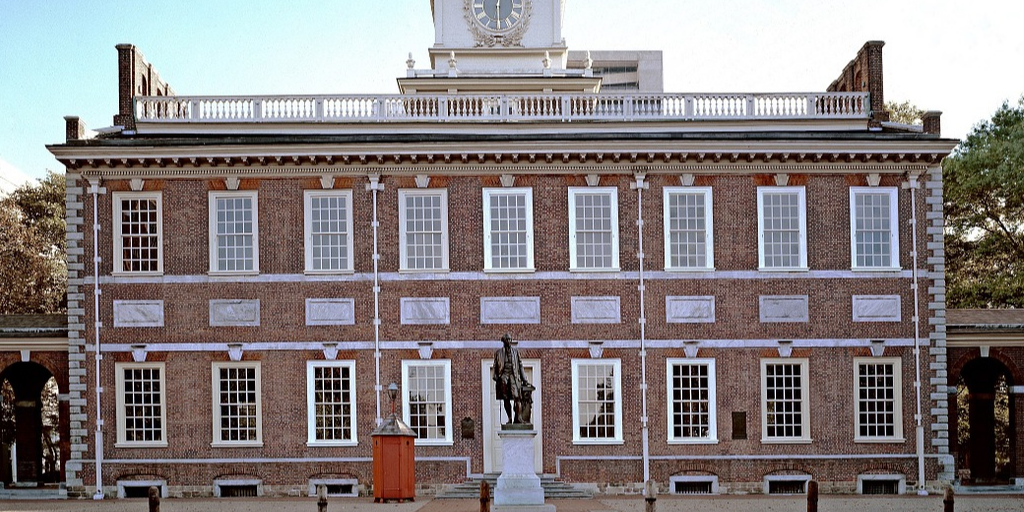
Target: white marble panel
[[510, 310], [234, 313], [426, 310], [330, 311], [596, 310], [690, 310], [138, 313], [784, 308], [877, 308]]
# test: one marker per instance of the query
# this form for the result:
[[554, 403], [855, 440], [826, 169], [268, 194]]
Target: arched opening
[[30, 453], [985, 428]]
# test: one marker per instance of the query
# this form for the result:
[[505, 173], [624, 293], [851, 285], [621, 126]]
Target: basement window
[[140, 488], [339, 487], [690, 485], [786, 484], [237, 488], [881, 484]]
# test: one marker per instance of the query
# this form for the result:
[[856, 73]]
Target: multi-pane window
[[785, 415], [423, 225], [596, 401], [874, 237], [141, 411], [137, 232], [688, 223], [782, 228], [328, 230], [593, 228], [508, 229], [236, 404], [878, 387], [691, 400], [427, 400], [330, 399], [234, 232]]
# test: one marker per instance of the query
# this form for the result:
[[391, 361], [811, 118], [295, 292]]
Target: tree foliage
[[904, 113], [33, 251], [984, 203]]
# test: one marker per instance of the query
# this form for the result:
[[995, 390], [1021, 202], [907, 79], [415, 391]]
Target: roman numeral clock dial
[[498, 15]]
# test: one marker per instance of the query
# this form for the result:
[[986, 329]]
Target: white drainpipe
[[913, 185], [639, 185], [376, 186], [94, 189]]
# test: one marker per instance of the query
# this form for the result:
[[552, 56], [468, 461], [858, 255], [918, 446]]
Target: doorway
[[494, 416], [30, 453], [985, 423]]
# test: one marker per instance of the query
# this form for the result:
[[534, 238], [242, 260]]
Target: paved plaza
[[990, 503]]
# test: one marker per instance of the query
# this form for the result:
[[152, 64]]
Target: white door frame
[[490, 426]]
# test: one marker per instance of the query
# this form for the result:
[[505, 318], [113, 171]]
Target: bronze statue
[[511, 386]]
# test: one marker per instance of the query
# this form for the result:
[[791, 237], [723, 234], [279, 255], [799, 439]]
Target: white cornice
[[777, 148]]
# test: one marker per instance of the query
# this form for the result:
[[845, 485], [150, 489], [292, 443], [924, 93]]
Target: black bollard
[[812, 496], [485, 496], [321, 498], [948, 500], [154, 499], [651, 496]]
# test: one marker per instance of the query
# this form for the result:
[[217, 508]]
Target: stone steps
[[553, 489], [33, 493], [988, 489]]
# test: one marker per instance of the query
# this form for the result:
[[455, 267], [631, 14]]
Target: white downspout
[[913, 185], [639, 185], [94, 189], [376, 186]]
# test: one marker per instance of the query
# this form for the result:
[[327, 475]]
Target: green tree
[[984, 203], [905, 113], [33, 251]]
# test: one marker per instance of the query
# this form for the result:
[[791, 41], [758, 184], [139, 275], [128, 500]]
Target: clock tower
[[498, 46]]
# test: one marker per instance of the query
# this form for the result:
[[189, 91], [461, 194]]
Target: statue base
[[518, 488]]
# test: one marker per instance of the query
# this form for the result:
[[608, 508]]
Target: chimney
[[125, 85], [864, 74], [74, 128], [135, 77], [932, 122]]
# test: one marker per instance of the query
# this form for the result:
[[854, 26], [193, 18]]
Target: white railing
[[500, 107]]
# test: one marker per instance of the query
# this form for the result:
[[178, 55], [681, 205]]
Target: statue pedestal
[[518, 488]]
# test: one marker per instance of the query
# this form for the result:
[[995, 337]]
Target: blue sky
[[57, 58]]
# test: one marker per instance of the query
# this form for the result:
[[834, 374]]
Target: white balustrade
[[501, 107]]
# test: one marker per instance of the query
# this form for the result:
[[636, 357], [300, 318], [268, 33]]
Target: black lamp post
[[393, 394]]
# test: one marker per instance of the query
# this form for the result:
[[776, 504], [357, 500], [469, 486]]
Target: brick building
[[720, 292]]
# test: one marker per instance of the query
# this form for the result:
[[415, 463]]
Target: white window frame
[[307, 200], [218, 441], [403, 250], [488, 248], [802, 198], [122, 416], [446, 364], [614, 194], [117, 197], [709, 244], [217, 194], [712, 437], [894, 234], [805, 411], [897, 372], [617, 378], [311, 439]]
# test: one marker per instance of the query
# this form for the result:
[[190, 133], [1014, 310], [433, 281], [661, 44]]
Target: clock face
[[498, 15]]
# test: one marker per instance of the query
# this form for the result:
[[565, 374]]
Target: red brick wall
[[185, 213]]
